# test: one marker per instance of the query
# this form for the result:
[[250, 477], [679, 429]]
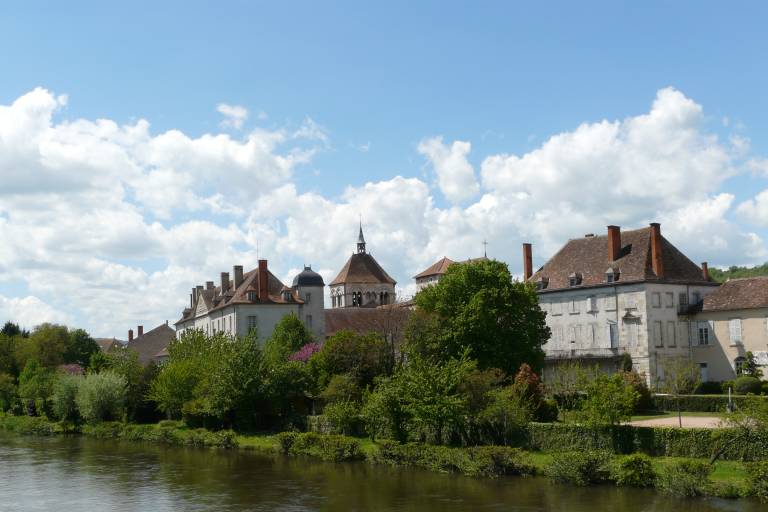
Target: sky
[[146, 147]]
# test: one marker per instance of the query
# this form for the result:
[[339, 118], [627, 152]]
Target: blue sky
[[355, 96]]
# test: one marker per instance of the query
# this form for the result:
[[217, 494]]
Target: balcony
[[582, 353], [689, 309]]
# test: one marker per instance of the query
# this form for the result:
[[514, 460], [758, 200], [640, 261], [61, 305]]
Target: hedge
[[655, 441], [698, 403], [328, 447]]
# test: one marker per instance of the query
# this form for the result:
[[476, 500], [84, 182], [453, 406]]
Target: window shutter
[[695, 334]]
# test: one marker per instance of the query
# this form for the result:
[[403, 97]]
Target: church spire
[[361, 240]]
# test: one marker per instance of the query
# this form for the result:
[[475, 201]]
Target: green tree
[[101, 397], [64, 406], [125, 362], [12, 330], [481, 308], [36, 387], [609, 401], [681, 377], [80, 348], [508, 411], [47, 344], [384, 413], [8, 392], [8, 355], [362, 356], [290, 335], [750, 367]]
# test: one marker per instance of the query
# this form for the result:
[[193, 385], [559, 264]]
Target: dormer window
[[611, 275], [253, 296], [542, 283], [574, 279], [287, 296]]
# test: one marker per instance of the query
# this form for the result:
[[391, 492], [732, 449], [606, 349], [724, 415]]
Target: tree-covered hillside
[[734, 272]]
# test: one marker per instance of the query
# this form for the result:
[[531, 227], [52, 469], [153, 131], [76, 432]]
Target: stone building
[[362, 282], [151, 345], [255, 300], [733, 321], [632, 292]]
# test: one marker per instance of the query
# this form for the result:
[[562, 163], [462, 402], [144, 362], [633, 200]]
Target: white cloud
[[455, 175], [234, 115], [30, 311], [111, 225]]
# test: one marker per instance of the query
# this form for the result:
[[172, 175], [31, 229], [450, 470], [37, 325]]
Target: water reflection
[[85, 474]]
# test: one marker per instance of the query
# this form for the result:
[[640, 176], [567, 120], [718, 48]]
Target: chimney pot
[[209, 285], [130, 335], [527, 261], [237, 273], [140, 329], [263, 284], [224, 282], [614, 242], [657, 258], [705, 271]]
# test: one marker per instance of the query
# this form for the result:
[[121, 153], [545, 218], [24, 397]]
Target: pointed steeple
[[361, 240]]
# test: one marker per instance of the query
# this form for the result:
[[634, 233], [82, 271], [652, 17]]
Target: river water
[[80, 474]]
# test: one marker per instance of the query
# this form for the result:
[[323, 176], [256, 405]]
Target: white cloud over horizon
[[109, 226]]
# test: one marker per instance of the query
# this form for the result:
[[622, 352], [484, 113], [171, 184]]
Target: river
[[81, 474]]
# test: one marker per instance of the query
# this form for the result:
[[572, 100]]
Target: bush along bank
[[165, 432], [699, 403]]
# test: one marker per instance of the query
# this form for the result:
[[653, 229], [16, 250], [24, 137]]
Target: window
[[611, 275], [309, 321], [252, 321], [230, 324], [671, 334], [738, 365], [656, 299], [572, 334], [252, 296], [592, 304], [658, 337], [574, 279], [308, 298], [685, 338], [696, 296], [610, 303], [613, 334], [631, 302], [703, 333], [683, 299], [669, 299], [542, 283], [734, 326], [557, 308], [573, 307], [592, 334], [632, 328], [557, 335]]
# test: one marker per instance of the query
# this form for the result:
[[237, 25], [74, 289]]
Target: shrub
[[547, 411], [492, 461], [746, 384], [635, 470], [633, 379], [331, 448], [698, 403], [26, 425], [685, 478], [764, 388], [727, 490], [758, 479], [610, 400], [63, 404], [344, 416], [101, 397], [725, 385], [579, 468], [710, 388]]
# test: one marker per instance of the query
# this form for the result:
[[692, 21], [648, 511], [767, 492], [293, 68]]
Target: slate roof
[[214, 299], [744, 293], [588, 256], [362, 268], [107, 344], [149, 344]]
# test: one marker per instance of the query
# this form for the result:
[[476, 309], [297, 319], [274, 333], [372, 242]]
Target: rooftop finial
[[361, 239], [485, 248]]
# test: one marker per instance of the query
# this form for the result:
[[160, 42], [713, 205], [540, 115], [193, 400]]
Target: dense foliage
[[479, 307], [734, 271]]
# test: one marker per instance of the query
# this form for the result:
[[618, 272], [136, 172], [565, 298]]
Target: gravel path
[[688, 422]]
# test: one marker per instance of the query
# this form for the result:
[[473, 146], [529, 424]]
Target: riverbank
[[673, 475]]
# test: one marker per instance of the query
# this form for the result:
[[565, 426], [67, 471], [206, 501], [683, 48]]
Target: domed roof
[[308, 277]]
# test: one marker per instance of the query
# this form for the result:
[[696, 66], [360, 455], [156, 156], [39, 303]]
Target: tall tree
[[481, 308], [80, 348], [290, 335], [47, 344]]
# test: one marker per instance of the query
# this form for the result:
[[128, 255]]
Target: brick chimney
[[224, 282], [263, 285], [130, 335], [140, 329], [209, 285], [614, 242], [527, 261], [705, 271], [237, 273], [657, 260]]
